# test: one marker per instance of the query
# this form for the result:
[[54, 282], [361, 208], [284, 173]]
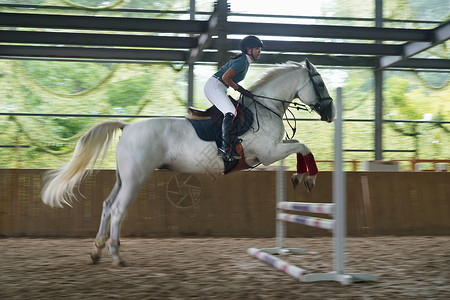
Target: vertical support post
[[190, 101], [190, 94], [378, 115], [378, 90], [378, 14], [339, 191], [280, 226], [222, 42], [191, 9]]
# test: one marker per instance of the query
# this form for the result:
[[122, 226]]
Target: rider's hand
[[244, 92]]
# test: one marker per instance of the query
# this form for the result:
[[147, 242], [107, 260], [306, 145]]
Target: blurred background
[[418, 100]]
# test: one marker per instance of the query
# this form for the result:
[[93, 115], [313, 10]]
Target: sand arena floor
[[220, 268]]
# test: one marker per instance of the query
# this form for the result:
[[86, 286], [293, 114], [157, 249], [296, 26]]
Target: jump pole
[[338, 224], [280, 226]]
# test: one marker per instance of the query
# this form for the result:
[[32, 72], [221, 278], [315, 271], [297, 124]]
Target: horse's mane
[[281, 68]]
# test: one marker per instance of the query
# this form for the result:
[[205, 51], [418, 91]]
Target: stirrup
[[228, 155], [234, 156]]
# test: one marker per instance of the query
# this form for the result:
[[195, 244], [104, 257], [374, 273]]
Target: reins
[[294, 105], [318, 107]]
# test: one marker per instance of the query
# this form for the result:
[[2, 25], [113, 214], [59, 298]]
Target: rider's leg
[[227, 151], [216, 93]]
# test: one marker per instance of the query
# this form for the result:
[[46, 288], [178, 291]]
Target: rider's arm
[[226, 77]]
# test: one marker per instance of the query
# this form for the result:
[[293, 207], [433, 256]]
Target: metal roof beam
[[438, 35], [96, 39], [193, 26], [122, 40], [327, 31], [324, 47], [91, 53], [325, 60], [424, 63], [101, 23], [141, 55], [343, 61]]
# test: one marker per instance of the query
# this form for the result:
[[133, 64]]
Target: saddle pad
[[211, 129]]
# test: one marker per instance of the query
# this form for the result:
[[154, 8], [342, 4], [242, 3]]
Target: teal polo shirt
[[240, 66]]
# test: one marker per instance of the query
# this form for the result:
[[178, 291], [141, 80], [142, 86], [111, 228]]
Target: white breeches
[[216, 92]]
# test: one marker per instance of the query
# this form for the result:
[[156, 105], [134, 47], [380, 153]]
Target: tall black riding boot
[[227, 151]]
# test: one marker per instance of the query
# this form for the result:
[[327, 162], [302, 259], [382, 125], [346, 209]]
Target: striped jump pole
[[277, 263], [320, 208], [309, 221], [337, 209]]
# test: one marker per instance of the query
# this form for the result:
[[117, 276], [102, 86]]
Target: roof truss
[[437, 36], [69, 37]]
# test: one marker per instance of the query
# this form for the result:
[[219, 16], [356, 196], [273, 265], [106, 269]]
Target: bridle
[[322, 103]]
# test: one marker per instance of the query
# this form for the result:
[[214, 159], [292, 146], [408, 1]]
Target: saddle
[[208, 126], [202, 114]]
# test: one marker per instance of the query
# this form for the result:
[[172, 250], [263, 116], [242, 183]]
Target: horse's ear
[[308, 65]]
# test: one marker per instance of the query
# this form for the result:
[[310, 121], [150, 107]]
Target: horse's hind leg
[[100, 240], [136, 158], [125, 197]]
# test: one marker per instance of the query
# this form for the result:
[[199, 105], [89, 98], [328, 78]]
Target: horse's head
[[315, 94]]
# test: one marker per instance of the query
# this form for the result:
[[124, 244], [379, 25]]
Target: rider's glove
[[244, 92]]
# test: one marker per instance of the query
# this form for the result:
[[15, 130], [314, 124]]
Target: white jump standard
[[337, 224]]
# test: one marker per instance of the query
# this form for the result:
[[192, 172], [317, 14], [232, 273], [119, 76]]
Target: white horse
[[172, 144]]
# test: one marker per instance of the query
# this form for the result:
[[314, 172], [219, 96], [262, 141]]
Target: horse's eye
[[321, 86]]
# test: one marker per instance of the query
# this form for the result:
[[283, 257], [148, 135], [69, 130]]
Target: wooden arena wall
[[241, 204]]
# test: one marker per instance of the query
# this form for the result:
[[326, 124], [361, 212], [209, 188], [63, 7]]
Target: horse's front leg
[[306, 163]]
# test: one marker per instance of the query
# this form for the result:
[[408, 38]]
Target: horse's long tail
[[59, 184]]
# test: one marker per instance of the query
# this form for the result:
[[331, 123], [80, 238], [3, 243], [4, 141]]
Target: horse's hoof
[[95, 257], [309, 186], [294, 181], [120, 264]]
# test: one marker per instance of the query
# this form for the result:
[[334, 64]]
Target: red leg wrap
[[301, 165], [311, 163]]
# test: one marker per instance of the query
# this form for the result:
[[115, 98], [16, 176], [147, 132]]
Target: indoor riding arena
[[197, 247], [373, 223]]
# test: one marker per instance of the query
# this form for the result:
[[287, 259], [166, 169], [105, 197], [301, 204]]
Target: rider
[[228, 76]]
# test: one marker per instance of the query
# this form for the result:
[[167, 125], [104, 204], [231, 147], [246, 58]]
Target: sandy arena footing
[[220, 268]]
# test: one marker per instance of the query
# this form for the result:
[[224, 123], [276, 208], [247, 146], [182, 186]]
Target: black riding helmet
[[250, 41]]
